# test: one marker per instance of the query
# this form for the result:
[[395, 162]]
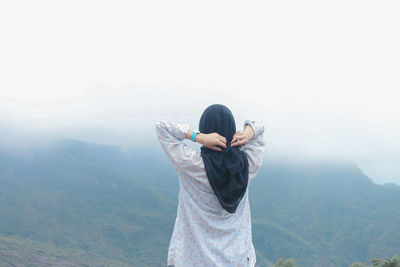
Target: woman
[[213, 223]]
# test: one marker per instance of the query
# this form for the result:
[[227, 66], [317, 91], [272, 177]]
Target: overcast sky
[[323, 76]]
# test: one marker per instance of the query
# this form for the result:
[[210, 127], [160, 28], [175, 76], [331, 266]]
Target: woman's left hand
[[242, 138]]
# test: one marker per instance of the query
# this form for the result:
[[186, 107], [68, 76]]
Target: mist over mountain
[[74, 198]]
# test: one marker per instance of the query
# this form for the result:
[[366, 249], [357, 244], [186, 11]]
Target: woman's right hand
[[211, 140], [242, 137]]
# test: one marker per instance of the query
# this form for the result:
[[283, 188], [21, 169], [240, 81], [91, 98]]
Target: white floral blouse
[[204, 233]]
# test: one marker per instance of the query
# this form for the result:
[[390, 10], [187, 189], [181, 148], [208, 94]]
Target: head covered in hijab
[[227, 170]]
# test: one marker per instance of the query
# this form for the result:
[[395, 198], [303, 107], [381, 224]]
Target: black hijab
[[227, 170]]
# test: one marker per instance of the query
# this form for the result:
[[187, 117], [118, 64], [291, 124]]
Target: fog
[[127, 117], [323, 77]]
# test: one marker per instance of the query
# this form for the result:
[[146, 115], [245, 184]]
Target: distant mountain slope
[[68, 195], [340, 214], [121, 204], [15, 251]]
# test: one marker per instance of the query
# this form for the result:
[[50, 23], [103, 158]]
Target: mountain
[[67, 194], [323, 213], [74, 198]]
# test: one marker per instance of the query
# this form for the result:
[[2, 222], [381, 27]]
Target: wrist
[[249, 132], [189, 134], [199, 138]]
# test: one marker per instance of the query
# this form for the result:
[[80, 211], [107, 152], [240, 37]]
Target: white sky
[[323, 75]]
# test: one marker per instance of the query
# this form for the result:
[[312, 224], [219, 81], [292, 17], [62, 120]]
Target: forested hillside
[[74, 197]]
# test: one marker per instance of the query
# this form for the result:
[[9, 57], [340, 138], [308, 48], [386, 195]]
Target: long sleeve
[[254, 149], [171, 136]]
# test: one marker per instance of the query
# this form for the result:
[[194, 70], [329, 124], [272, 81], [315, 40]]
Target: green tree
[[393, 262]]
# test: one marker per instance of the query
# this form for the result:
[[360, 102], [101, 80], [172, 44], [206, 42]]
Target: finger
[[221, 143], [238, 137], [235, 137], [235, 143], [239, 143], [221, 138], [216, 148]]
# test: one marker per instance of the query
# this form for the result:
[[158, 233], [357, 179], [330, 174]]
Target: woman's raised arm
[[254, 147], [171, 136]]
